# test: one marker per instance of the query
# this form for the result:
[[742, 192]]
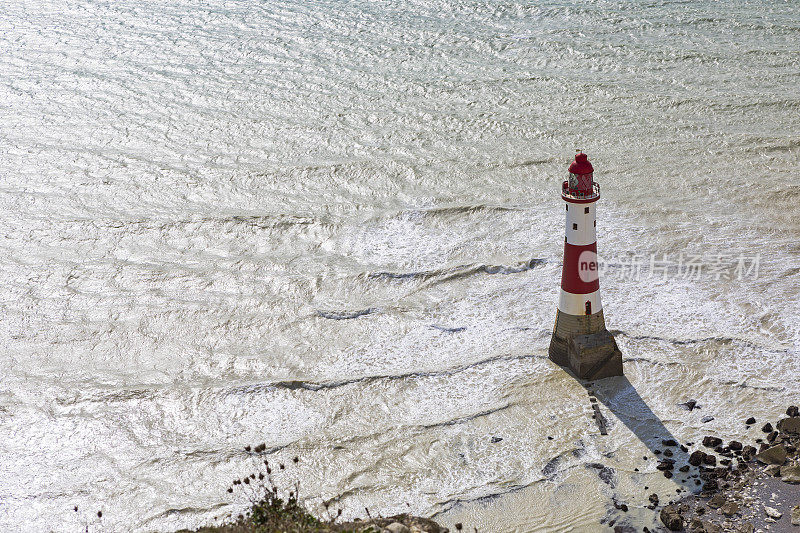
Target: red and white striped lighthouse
[[580, 340]]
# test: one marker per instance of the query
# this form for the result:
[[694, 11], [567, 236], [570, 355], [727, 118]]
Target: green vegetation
[[273, 511]]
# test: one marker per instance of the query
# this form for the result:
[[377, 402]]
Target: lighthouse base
[[582, 343]]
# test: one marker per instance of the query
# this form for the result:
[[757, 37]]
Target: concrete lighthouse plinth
[[580, 339]]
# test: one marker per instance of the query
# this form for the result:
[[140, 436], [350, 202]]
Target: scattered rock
[[671, 517], [747, 527], [669, 442], [653, 499], [666, 464], [690, 405], [397, 527], [790, 473], [796, 515], [793, 410], [696, 458], [717, 501], [750, 421], [767, 428], [775, 455], [495, 440], [735, 445], [789, 425], [706, 419], [730, 508], [773, 470], [709, 459], [711, 442], [773, 513]]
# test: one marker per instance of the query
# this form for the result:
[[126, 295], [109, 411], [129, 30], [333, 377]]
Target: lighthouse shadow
[[621, 398]]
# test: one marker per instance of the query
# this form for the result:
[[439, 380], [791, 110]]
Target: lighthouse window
[[574, 226], [567, 206], [586, 210], [595, 223]]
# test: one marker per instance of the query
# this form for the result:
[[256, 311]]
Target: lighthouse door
[[588, 308]]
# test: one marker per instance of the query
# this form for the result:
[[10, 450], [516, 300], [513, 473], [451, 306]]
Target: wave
[[346, 315], [456, 272]]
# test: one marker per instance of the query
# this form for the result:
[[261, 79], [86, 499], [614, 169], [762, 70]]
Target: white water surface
[[334, 228]]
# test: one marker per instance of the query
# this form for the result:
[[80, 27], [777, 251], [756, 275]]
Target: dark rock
[[711, 442], [735, 445], [668, 453], [684, 468], [709, 459], [767, 428], [684, 449], [696, 459], [748, 450], [725, 462], [495, 440], [793, 410], [669, 442], [668, 474], [772, 436], [653, 499], [671, 518], [690, 405], [706, 419], [750, 421], [710, 486]]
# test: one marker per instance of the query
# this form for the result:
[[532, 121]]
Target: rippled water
[[335, 228]]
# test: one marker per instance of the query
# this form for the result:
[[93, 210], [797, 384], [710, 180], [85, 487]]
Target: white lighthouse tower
[[580, 340]]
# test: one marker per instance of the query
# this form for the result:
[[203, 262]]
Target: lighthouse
[[580, 339]]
